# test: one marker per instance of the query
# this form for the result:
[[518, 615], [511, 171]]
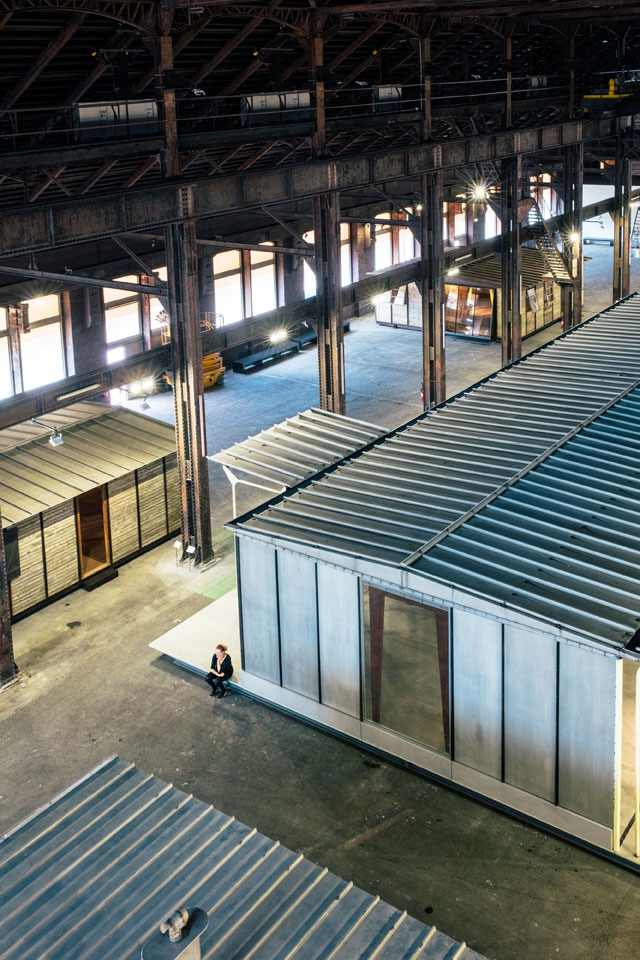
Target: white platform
[[193, 641]]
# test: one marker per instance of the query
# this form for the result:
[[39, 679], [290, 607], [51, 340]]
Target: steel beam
[[159, 288], [432, 291], [188, 389], [326, 226], [30, 228], [8, 668], [621, 223], [573, 294], [511, 261]]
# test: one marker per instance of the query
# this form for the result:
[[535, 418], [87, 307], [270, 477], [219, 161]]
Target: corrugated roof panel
[[92, 875], [100, 443], [473, 463]]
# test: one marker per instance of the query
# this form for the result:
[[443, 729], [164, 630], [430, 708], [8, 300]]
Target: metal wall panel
[[298, 623], [339, 625], [586, 733], [477, 692], [152, 503], [123, 517], [259, 595], [28, 589], [530, 711]]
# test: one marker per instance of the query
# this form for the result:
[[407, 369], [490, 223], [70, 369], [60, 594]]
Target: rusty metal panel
[[257, 189], [75, 222], [453, 154], [352, 172], [390, 166], [551, 137], [423, 159], [23, 230]]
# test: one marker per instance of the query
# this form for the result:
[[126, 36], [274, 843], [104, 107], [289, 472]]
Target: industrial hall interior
[[319, 479]]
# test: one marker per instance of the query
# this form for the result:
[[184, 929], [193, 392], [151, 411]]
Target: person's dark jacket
[[226, 669]]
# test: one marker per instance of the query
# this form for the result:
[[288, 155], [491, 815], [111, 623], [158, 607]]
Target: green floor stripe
[[221, 586]]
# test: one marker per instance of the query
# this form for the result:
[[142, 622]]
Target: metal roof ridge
[[476, 508]]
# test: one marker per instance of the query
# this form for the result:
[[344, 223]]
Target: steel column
[[621, 223], [432, 290], [573, 294], [188, 389], [326, 225], [425, 70], [316, 80], [511, 260], [8, 669]]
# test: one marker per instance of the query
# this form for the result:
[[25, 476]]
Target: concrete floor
[[91, 687]]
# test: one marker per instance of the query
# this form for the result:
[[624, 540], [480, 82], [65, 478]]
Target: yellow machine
[[212, 368]]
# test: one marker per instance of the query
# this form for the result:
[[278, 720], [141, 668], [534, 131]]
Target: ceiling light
[[56, 437], [278, 336]]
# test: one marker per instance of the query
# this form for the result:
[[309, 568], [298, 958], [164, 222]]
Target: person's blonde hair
[[222, 647]]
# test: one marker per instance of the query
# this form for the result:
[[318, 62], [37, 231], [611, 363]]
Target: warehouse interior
[[219, 219]]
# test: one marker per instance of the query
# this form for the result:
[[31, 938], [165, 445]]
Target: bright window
[[116, 354], [6, 385], [345, 254], [491, 224], [406, 244], [42, 353], [156, 313], [263, 281], [122, 322], [43, 308], [227, 274], [309, 277], [383, 243], [110, 296]]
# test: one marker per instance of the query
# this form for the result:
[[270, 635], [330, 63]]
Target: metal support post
[[511, 260], [188, 387], [573, 294], [508, 107], [316, 81], [432, 290], [8, 669], [621, 223], [425, 70], [326, 225]]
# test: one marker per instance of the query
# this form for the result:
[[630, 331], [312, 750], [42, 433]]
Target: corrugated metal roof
[[92, 875], [487, 270], [291, 451], [100, 443], [412, 485]]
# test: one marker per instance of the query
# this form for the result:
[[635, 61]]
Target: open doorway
[[93, 535]]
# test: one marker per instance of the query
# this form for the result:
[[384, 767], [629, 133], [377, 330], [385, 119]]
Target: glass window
[[111, 295], [42, 352], [3, 318], [406, 660], [406, 244], [43, 308], [491, 224], [345, 254], [468, 310], [6, 383], [226, 261], [157, 314], [123, 322], [229, 299], [116, 354], [308, 275], [257, 257], [263, 281], [383, 243]]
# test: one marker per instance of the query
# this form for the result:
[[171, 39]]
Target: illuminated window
[[156, 310], [42, 345], [122, 322], [406, 242], [309, 277], [383, 243], [111, 296], [116, 354], [491, 224], [227, 282], [263, 281], [6, 380], [345, 254]]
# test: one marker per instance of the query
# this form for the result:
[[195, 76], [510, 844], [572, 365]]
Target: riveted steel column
[[432, 290], [621, 223], [8, 669], [326, 226], [188, 388], [511, 260], [572, 294], [316, 81], [425, 70]]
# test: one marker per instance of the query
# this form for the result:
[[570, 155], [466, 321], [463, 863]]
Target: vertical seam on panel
[[135, 474], [275, 561], [107, 505], [166, 495], [451, 687], [361, 648], [502, 723], [44, 557], [318, 636], [239, 590], [556, 792]]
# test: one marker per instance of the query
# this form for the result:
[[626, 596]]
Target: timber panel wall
[[123, 517], [151, 503], [173, 492], [28, 589], [60, 546]]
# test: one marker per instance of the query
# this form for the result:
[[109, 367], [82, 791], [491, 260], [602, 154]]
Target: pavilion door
[[93, 535]]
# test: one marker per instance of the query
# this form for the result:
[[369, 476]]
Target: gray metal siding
[[586, 731], [259, 597], [530, 711], [60, 547], [93, 874], [339, 622], [298, 623], [477, 692]]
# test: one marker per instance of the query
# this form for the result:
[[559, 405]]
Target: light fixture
[[379, 299], [453, 271], [56, 437], [144, 405], [419, 207], [574, 236], [278, 336], [479, 193]]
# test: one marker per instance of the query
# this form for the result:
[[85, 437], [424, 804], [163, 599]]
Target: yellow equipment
[[212, 369]]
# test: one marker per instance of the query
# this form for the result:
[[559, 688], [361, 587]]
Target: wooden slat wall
[[60, 546], [123, 517], [173, 492], [151, 503], [28, 589]]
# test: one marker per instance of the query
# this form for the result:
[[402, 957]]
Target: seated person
[[221, 670]]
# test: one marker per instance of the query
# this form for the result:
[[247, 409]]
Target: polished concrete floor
[[91, 687]]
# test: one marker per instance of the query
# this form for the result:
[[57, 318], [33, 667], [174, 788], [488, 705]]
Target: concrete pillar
[[188, 388], [293, 278], [621, 224], [432, 290], [326, 225], [87, 328], [511, 260], [573, 294], [205, 285]]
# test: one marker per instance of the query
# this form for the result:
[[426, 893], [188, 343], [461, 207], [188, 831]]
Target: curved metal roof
[[92, 875], [547, 440]]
